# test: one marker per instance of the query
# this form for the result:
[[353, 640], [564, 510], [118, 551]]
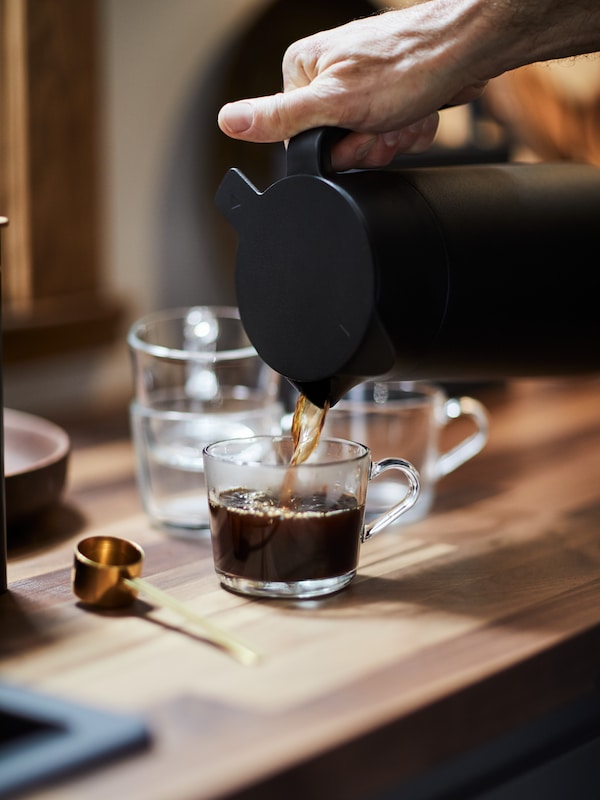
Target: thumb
[[273, 118]]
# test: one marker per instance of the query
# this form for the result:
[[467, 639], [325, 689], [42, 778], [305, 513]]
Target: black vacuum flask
[[448, 273]]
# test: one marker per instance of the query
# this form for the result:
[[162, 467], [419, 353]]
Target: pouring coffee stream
[[307, 425], [447, 273]]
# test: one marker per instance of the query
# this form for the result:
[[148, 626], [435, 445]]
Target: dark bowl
[[36, 454]]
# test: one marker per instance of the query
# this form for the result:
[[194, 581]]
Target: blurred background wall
[[161, 71], [158, 72]]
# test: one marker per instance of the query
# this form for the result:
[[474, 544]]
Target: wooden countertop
[[456, 629]]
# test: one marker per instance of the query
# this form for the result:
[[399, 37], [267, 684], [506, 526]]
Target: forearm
[[512, 33]]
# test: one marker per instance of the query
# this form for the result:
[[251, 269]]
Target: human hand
[[383, 78]]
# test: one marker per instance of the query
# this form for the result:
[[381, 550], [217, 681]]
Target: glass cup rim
[[361, 452], [416, 393], [176, 354]]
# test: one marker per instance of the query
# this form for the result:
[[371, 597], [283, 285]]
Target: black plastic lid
[[305, 278]]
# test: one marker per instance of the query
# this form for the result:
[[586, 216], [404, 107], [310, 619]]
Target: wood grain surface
[[456, 629]]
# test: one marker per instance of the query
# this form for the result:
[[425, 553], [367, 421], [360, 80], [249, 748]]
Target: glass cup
[[197, 379], [408, 417], [295, 532]]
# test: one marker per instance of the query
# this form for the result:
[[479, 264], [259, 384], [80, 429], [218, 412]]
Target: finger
[[419, 137], [277, 117], [378, 150], [236, 119]]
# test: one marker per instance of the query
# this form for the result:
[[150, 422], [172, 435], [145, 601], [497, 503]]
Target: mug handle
[[408, 501], [454, 408]]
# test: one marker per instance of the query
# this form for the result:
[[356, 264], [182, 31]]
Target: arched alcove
[[197, 246]]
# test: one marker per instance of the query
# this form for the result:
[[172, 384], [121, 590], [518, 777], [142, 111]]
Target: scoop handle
[[239, 650]]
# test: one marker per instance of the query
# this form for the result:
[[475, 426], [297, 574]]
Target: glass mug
[[408, 417], [281, 531], [197, 379]]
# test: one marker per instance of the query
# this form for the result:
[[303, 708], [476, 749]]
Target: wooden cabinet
[[54, 298]]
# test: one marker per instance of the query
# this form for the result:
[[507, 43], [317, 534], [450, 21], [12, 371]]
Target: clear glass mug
[[408, 417], [197, 379], [281, 531]]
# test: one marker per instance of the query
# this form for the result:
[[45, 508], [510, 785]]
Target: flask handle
[[309, 152]]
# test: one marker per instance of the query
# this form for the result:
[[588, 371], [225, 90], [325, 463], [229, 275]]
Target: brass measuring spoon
[[106, 574]]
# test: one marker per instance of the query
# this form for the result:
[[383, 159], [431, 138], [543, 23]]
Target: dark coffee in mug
[[293, 531], [260, 537]]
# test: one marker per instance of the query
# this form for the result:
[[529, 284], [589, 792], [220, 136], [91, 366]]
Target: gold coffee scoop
[[106, 574]]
